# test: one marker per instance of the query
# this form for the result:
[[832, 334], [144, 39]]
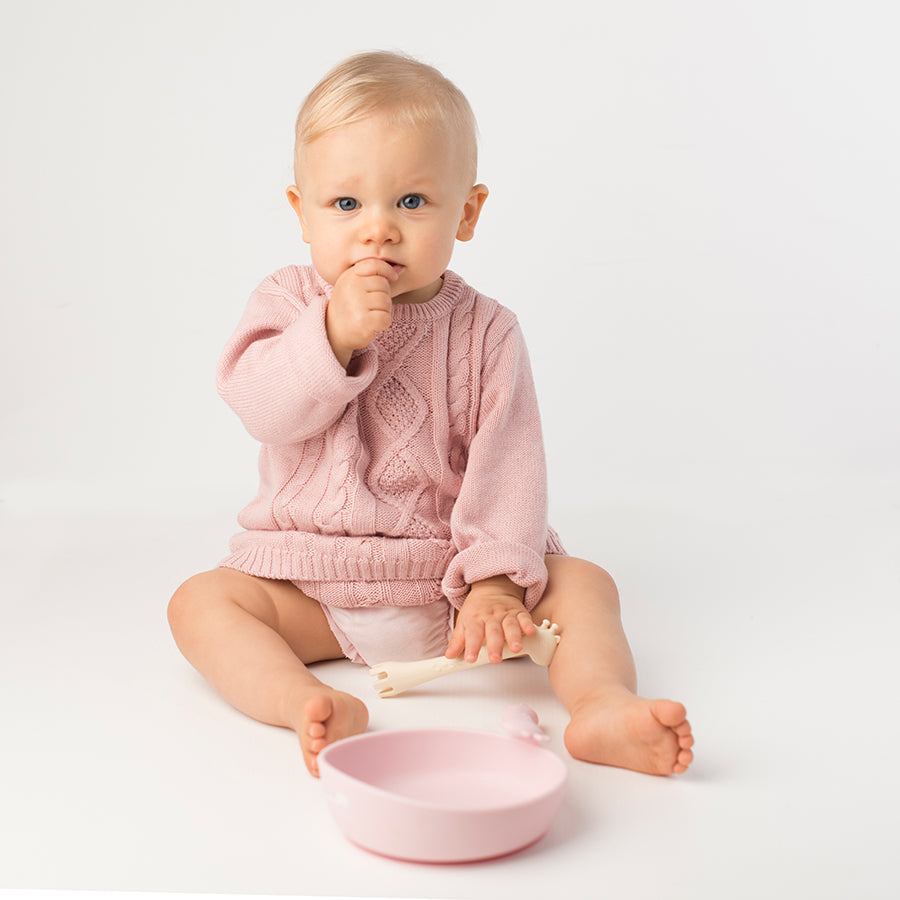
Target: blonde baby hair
[[407, 91]]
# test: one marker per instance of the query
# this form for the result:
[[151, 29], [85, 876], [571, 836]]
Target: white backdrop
[[693, 211]]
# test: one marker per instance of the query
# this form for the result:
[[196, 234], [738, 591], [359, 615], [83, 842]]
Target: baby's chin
[[420, 295]]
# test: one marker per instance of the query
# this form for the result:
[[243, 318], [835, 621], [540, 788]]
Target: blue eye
[[346, 204], [412, 201]]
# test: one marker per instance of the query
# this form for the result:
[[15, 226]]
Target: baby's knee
[[220, 591], [573, 569], [574, 578], [203, 593], [186, 599]]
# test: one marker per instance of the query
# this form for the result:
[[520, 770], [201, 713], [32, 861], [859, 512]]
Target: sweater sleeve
[[278, 372], [499, 521]]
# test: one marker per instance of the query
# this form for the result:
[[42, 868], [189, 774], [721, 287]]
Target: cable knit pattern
[[422, 465]]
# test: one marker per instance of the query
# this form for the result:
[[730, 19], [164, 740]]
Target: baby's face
[[373, 189]]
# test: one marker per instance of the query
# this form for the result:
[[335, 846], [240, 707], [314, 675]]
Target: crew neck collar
[[441, 304]]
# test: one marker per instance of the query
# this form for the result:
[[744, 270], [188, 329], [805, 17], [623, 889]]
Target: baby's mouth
[[397, 267]]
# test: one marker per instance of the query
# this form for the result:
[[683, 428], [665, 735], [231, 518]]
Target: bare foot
[[326, 716], [624, 730]]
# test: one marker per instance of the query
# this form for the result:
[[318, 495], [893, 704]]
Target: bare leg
[[251, 638], [593, 674]]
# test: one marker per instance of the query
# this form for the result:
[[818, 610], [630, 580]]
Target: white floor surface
[[772, 613]]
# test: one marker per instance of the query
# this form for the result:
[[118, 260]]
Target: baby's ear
[[471, 212], [296, 201]]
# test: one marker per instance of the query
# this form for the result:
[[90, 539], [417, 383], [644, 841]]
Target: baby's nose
[[379, 227]]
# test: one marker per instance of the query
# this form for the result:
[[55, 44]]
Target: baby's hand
[[360, 307], [492, 615]]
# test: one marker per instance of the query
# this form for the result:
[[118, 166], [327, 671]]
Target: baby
[[402, 507]]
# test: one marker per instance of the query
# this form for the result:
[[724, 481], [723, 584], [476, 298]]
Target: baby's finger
[[457, 642], [378, 288], [512, 631], [474, 640], [371, 266], [494, 638]]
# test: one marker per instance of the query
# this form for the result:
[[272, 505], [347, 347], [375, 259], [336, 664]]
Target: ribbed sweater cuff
[[519, 563]]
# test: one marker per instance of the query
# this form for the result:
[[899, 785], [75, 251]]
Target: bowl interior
[[448, 768]]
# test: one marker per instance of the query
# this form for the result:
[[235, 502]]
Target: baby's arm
[[499, 520], [278, 371], [492, 614]]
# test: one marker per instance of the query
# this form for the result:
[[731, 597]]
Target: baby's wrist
[[341, 355], [498, 584], [341, 349]]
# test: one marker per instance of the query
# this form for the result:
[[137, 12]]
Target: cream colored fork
[[393, 678]]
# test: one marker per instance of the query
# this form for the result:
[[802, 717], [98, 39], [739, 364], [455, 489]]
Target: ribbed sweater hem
[[299, 556]]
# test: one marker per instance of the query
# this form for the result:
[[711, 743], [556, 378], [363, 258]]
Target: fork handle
[[460, 663], [406, 675]]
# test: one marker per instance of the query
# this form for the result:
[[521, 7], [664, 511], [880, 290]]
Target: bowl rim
[[546, 755]]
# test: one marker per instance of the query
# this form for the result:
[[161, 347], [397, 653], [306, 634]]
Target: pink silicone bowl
[[441, 795]]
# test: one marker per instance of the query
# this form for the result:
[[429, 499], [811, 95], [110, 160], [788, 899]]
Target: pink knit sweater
[[424, 460]]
